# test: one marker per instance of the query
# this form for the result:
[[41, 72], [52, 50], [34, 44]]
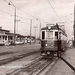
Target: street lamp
[[10, 3]]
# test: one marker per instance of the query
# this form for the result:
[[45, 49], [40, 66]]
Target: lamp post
[[10, 3], [74, 27]]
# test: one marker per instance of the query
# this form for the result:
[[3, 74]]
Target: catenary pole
[[74, 26]]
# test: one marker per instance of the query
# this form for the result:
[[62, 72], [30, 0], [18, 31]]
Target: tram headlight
[[49, 27], [46, 45]]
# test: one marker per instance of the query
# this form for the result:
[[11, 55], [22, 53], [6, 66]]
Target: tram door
[[56, 35], [58, 38]]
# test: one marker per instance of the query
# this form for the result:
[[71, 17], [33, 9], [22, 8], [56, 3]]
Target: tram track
[[15, 70], [15, 56], [40, 68], [34, 68]]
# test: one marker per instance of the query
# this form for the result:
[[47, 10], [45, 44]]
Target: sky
[[40, 12]]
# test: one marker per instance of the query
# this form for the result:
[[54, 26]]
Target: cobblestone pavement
[[60, 67]]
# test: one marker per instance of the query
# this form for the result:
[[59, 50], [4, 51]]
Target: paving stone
[[60, 67]]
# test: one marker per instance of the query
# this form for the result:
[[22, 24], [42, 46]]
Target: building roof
[[4, 30], [18, 35], [30, 36], [9, 33]]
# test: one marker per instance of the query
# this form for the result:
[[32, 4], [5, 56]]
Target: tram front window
[[49, 34]]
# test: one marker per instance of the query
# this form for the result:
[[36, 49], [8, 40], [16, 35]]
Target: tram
[[53, 40]]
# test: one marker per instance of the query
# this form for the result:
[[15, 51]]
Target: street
[[57, 67], [4, 69], [37, 37], [61, 68]]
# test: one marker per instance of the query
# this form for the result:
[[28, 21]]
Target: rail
[[34, 68], [73, 68]]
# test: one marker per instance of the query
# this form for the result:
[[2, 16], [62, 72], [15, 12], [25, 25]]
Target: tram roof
[[55, 27]]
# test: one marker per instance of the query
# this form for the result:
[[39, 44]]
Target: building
[[7, 38], [3, 36]]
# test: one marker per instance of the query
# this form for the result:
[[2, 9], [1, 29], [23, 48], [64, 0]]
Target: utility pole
[[17, 26], [30, 30], [74, 27], [35, 32], [39, 30], [10, 3], [39, 27], [14, 25]]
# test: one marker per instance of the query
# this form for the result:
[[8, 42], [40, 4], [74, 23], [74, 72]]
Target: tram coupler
[[73, 68]]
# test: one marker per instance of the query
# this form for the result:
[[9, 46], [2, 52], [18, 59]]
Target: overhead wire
[[32, 15], [27, 13], [56, 12], [5, 1], [22, 17], [13, 15], [22, 10], [5, 12], [54, 9]]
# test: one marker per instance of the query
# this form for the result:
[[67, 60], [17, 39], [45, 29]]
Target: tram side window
[[43, 34], [56, 35]]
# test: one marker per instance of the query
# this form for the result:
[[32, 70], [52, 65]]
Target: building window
[[9, 37], [5, 37]]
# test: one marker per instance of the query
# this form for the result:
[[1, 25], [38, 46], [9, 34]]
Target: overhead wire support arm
[[11, 3], [22, 10]]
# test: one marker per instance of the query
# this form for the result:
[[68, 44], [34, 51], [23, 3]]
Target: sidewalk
[[60, 67]]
